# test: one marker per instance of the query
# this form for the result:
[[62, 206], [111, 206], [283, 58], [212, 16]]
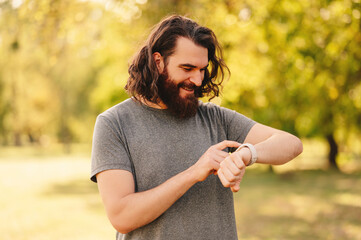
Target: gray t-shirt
[[155, 146]]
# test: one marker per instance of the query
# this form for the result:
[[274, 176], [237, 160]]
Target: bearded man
[[166, 163]]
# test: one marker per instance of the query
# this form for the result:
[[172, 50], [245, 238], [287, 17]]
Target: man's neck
[[159, 105]]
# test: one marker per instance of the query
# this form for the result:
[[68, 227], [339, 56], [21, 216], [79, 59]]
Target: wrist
[[252, 150], [192, 174], [246, 155]]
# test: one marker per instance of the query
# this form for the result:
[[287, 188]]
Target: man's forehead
[[188, 53]]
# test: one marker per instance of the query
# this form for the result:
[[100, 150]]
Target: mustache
[[189, 85]]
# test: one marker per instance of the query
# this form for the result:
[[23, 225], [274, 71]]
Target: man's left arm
[[272, 146]]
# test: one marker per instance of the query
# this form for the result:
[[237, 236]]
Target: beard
[[169, 93]]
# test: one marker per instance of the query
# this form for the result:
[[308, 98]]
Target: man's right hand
[[210, 161]]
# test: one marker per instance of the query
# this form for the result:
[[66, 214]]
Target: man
[[161, 158]]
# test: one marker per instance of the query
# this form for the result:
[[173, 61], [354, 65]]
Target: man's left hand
[[232, 169]]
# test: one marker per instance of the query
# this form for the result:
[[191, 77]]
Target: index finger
[[226, 143]]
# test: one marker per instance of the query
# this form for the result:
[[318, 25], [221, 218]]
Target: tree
[[62, 62], [313, 53]]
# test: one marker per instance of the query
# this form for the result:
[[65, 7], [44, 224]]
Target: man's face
[[182, 76]]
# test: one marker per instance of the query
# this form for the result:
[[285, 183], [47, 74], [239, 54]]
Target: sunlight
[[348, 199], [125, 11], [16, 3]]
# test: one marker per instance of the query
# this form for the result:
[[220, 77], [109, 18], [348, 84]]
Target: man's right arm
[[128, 210]]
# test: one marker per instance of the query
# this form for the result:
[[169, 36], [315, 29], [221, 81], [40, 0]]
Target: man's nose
[[197, 78]]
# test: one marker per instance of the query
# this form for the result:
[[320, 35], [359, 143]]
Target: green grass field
[[49, 196]]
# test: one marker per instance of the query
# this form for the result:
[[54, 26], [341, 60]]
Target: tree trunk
[[17, 139], [65, 136], [332, 155]]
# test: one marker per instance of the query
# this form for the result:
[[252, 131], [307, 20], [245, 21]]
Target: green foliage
[[62, 63], [302, 68], [309, 55]]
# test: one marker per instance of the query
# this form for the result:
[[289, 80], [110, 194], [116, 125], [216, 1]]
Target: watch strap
[[252, 150]]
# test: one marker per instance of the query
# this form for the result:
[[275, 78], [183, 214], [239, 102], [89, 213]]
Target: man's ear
[[159, 61]]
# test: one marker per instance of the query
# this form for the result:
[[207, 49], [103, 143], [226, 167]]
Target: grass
[[45, 197], [299, 205], [50, 196]]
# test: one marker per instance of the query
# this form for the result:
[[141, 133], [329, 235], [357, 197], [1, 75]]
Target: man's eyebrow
[[190, 65]]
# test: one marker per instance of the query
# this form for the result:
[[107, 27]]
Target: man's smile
[[188, 87]]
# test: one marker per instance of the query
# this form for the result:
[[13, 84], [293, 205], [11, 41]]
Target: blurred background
[[296, 66]]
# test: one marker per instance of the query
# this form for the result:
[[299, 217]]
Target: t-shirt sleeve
[[236, 125], [109, 150]]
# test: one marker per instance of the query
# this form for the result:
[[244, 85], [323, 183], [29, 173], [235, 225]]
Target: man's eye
[[187, 69]]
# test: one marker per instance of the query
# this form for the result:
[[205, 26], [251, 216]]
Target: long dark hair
[[143, 71]]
